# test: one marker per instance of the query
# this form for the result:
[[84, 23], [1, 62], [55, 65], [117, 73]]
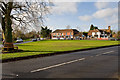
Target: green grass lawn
[[51, 46], [26, 40]]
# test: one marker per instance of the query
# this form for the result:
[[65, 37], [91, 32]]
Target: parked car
[[34, 39], [38, 39], [41, 38], [19, 40], [113, 39]]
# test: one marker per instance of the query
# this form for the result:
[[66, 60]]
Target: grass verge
[[51, 46]]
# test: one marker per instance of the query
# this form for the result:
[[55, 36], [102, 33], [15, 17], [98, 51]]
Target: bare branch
[[27, 13]]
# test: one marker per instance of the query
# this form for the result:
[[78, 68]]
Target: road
[[97, 63]]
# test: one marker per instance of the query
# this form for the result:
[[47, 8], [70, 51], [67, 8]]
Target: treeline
[[116, 35], [21, 33], [29, 35]]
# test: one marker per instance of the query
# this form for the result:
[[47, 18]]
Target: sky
[[80, 15]]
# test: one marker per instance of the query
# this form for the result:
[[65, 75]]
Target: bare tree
[[68, 27], [21, 14]]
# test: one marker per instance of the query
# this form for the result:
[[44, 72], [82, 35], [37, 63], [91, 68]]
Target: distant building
[[64, 34], [100, 33]]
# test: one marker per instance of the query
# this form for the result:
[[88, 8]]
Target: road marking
[[57, 65], [108, 52], [105, 53], [98, 55]]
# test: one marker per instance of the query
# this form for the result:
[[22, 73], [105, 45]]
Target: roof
[[95, 30], [98, 30], [79, 34], [64, 30]]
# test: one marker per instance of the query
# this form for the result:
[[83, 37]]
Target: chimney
[[109, 28]]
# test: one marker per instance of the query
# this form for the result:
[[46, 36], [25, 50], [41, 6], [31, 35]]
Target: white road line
[[69, 62], [98, 55], [108, 52], [105, 53], [57, 65]]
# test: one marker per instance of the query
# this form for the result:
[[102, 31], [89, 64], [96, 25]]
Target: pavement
[[96, 63], [22, 42], [17, 43]]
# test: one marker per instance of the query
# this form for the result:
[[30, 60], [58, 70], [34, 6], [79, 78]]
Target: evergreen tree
[[91, 27], [45, 32]]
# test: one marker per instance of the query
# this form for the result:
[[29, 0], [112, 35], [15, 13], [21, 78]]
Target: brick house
[[100, 33], [64, 34]]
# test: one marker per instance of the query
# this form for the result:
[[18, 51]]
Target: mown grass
[[24, 40], [51, 46]]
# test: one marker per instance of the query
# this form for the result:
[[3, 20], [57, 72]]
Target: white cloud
[[64, 7], [112, 20], [105, 12], [85, 18], [108, 15], [101, 5]]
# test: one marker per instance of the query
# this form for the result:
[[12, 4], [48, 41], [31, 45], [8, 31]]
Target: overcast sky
[[82, 14]]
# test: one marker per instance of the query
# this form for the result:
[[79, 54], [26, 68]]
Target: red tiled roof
[[64, 30]]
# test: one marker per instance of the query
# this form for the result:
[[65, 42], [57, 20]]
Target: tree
[[68, 27], [95, 27], [91, 27], [85, 34], [19, 14], [45, 32], [18, 33], [118, 35]]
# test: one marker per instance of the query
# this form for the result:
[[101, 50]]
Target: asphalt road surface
[[97, 63]]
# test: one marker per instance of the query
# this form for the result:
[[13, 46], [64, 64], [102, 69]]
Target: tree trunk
[[8, 29], [8, 35]]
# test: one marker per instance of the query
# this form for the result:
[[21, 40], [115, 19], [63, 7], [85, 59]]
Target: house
[[64, 34], [103, 34]]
